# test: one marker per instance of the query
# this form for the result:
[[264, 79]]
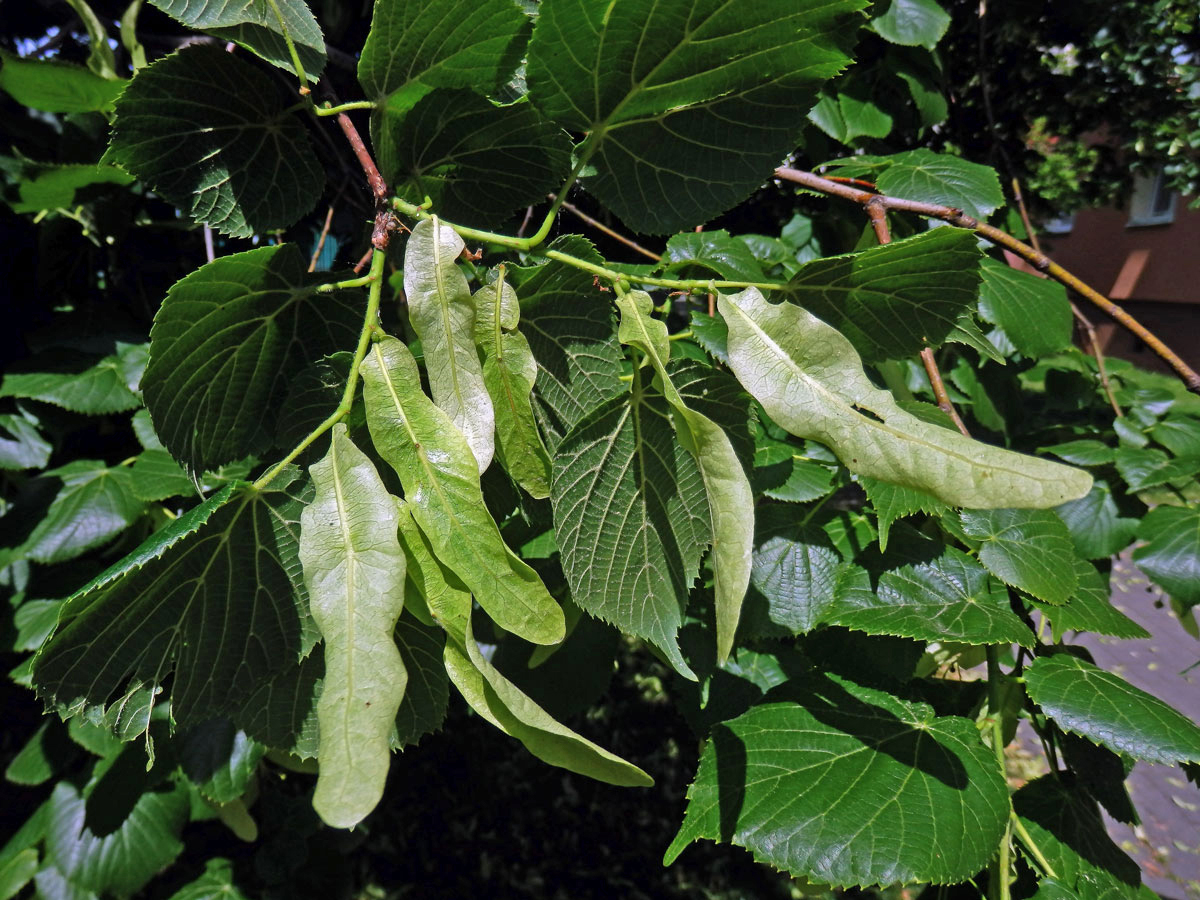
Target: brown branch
[[525, 221], [1083, 321], [316, 254], [383, 214], [615, 235], [939, 390], [995, 235], [877, 212], [1087, 326], [1020, 198]]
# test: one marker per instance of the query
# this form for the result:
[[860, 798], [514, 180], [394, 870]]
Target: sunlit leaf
[[806, 780], [687, 106], [56, 86], [255, 25], [1029, 549], [1104, 708]]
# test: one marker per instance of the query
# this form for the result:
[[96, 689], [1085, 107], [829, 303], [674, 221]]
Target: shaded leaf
[[178, 604], [892, 502], [476, 160], [803, 783], [1144, 468], [441, 486], [893, 300], [1066, 826], [312, 397], [1171, 554], [448, 43], [572, 336], [225, 345], [1104, 708], [125, 860], [1084, 452], [1097, 527], [810, 381], [219, 759], [52, 187], [1029, 549], [796, 569], [21, 444], [428, 691], [256, 27], [354, 571], [216, 138], [217, 883], [630, 517], [727, 489], [688, 106]]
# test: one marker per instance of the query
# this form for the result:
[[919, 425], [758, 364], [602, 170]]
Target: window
[[1153, 203]]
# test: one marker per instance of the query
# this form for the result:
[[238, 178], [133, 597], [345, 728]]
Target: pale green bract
[[488, 692], [810, 381], [441, 485], [442, 313], [730, 498], [354, 570], [509, 371]]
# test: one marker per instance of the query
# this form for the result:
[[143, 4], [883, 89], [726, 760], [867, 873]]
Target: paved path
[[1168, 843]]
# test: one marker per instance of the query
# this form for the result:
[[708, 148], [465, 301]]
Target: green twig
[[998, 882], [1031, 846], [370, 323], [328, 110], [349, 283], [291, 45], [503, 240]]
